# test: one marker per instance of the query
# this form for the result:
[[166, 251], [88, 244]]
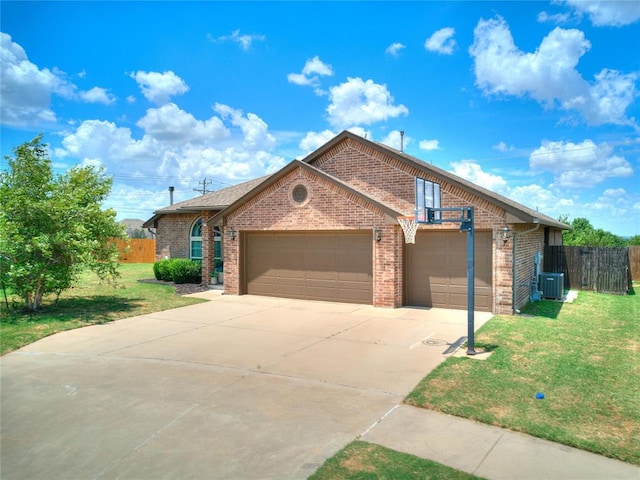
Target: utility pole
[[204, 184]]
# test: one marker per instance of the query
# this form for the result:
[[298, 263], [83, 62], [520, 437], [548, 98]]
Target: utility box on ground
[[551, 285]]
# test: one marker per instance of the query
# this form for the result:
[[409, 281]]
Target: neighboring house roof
[[218, 200], [388, 211], [516, 212], [132, 223]]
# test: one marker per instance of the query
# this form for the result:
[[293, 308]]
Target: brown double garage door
[[338, 266], [334, 266]]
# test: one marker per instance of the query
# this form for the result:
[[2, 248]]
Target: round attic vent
[[299, 194]]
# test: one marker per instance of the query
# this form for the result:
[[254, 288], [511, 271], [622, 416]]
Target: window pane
[[196, 249], [196, 231]]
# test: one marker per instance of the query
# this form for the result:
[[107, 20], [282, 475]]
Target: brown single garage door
[[436, 270], [333, 266]]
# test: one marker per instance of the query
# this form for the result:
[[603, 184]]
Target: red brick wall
[[527, 245], [173, 234]]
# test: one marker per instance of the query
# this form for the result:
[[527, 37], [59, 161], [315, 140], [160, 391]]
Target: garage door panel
[[334, 266], [436, 270]]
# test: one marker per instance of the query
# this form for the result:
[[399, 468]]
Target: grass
[[584, 357], [91, 302], [363, 461]]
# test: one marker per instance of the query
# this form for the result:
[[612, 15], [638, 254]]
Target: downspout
[[514, 264]]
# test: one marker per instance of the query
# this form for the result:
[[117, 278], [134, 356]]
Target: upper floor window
[[427, 196]]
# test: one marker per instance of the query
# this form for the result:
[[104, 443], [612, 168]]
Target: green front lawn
[[584, 357], [91, 302]]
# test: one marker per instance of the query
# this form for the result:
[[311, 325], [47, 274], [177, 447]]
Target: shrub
[[184, 271], [177, 270], [157, 270], [162, 270]]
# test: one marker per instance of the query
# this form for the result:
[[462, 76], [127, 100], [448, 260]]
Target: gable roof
[[218, 200], [516, 212], [388, 211]]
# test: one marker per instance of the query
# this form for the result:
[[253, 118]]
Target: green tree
[[635, 240], [138, 233], [583, 234], [52, 227]]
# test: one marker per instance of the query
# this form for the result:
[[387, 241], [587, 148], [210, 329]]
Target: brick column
[[387, 267], [207, 248], [231, 253]]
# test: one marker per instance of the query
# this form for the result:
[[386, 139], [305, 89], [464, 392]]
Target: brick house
[[325, 228]]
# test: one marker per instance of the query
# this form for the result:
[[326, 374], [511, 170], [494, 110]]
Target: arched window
[[195, 239]]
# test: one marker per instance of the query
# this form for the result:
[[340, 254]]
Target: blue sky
[[538, 101]]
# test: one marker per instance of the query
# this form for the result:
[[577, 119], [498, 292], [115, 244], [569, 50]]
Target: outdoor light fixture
[[232, 233], [377, 234], [505, 235]]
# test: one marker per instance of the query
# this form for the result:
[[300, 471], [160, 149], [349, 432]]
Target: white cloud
[[394, 49], [299, 79], [110, 144], [316, 66], [314, 140], [97, 95], [429, 145], [550, 202], [359, 102], [557, 18], [26, 89], [541, 199], [309, 75], [579, 165], [177, 148], [254, 129], [159, 87], [441, 41], [607, 12], [395, 140], [473, 172], [549, 75], [245, 41], [170, 123], [502, 147], [614, 192]]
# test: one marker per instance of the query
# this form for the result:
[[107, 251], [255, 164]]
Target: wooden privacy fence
[[137, 250], [634, 262], [600, 269]]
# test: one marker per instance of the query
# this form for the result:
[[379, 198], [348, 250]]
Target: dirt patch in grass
[[359, 460]]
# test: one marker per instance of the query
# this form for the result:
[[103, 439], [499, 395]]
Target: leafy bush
[[157, 267], [185, 271], [177, 270], [163, 271]]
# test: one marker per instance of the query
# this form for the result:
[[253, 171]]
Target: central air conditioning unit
[[551, 285]]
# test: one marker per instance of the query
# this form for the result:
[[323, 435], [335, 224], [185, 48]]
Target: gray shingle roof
[[218, 200]]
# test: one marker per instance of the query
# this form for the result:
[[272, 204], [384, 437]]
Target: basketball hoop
[[409, 227]]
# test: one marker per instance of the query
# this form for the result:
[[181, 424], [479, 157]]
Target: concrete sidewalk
[[489, 452]]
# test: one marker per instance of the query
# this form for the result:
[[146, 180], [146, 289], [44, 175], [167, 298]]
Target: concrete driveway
[[240, 387]]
